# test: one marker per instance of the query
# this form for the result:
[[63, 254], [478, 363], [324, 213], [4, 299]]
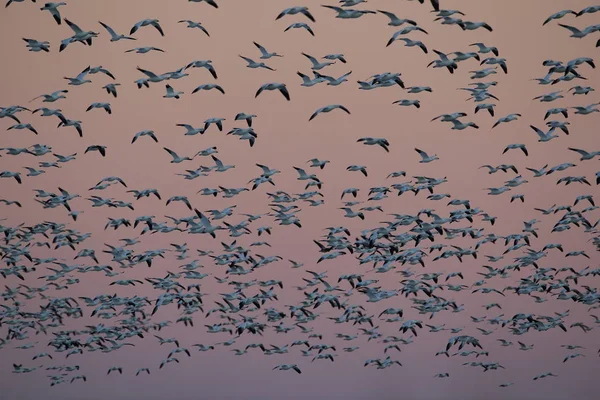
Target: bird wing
[[538, 131], [261, 48], [110, 30], [311, 58], [315, 114], [582, 152], [343, 108], [150, 74], [158, 28], [171, 152], [218, 162], [421, 153], [285, 92], [571, 28], [390, 15], [248, 60], [300, 171], [73, 26]]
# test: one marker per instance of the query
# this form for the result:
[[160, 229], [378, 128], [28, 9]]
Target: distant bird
[[171, 93], [144, 133], [585, 155], [254, 64], [383, 143], [114, 36], [265, 55], [193, 24], [147, 22], [508, 118], [327, 109], [300, 25], [274, 86], [52, 8], [425, 158], [516, 146], [559, 15], [37, 46], [296, 10]]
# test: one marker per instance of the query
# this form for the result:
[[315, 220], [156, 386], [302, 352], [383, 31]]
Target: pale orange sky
[[287, 139]]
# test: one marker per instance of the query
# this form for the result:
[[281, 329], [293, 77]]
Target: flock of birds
[[405, 244]]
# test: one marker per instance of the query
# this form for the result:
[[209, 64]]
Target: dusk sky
[[285, 138]]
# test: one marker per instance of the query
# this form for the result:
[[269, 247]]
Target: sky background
[[285, 139]]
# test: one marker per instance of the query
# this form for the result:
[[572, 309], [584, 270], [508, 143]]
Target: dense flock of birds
[[409, 245]]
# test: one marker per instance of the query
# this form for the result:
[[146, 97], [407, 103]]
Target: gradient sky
[[287, 139]]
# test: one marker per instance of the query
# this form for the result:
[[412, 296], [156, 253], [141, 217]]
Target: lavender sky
[[286, 139]]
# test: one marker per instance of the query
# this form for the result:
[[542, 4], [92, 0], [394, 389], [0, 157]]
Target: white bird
[[327, 109], [516, 146], [332, 81], [247, 117], [203, 64], [307, 82], [585, 155], [579, 34], [483, 49], [352, 214], [114, 36], [559, 15], [79, 79], [348, 13], [300, 25], [193, 24], [37, 46], [471, 26], [254, 64], [419, 89], [147, 22], [316, 65], [209, 86], [23, 126], [407, 103], [274, 86], [100, 149], [315, 162], [265, 55], [413, 43], [303, 176], [508, 118], [450, 117], [586, 110], [296, 10], [104, 106], [404, 31], [443, 62], [9, 174], [171, 93], [395, 21], [52, 8], [544, 137], [457, 125], [144, 133], [287, 367], [383, 143], [144, 50], [425, 158], [358, 168], [80, 35], [176, 158], [494, 61], [220, 167]]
